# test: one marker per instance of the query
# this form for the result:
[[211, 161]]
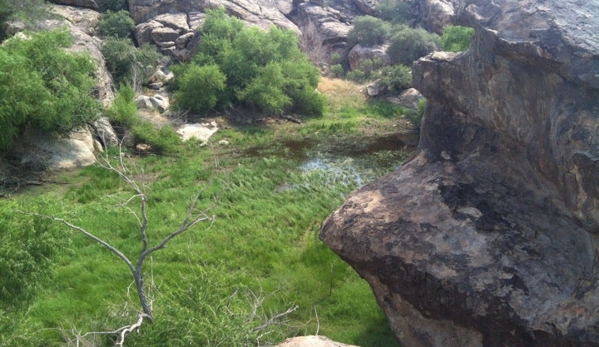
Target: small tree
[[368, 31], [116, 24], [396, 78], [410, 44], [194, 215], [200, 88], [42, 85], [266, 71], [128, 64], [395, 11]]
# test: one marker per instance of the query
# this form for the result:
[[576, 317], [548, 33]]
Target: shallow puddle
[[352, 161]]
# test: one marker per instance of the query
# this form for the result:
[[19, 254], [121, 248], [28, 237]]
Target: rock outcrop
[[43, 151], [489, 235], [312, 341]]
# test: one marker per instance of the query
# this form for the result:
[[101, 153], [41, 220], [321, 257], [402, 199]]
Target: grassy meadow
[[218, 284]]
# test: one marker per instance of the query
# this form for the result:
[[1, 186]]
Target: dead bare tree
[[193, 216]]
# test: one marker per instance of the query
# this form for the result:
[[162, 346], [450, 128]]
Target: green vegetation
[[42, 85], [396, 78], [217, 286], [117, 25], [263, 71], [394, 11], [25, 11], [123, 115], [456, 38], [409, 44], [112, 5], [368, 31], [127, 63]]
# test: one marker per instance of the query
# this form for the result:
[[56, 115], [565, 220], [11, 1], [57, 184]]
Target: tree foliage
[[28, 244], [262, 70], [456, 38], [394, 11], [123, 114], [42, 85], [209, 83], [127, 63], [409, 44], [396, 78], [368, 31], [116, 24], [26, 11], [112, 5]]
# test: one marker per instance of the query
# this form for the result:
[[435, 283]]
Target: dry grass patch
[[342, 94]]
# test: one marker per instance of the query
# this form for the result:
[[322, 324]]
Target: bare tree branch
[[193, 216]]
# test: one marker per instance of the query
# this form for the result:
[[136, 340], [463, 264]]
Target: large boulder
[[488, 235], [435, 15], [42, 151]]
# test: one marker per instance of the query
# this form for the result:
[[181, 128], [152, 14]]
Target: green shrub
[[28, 245], [116, 24], [163, 139], [368, 31], [410, 44], [129, 64], [337, 70], [265, 71], [42, 85], [396, 78], [123, 112], [456, 38], [112, 5], [123, 109], [356, 75], [394, 11], [200, 88]]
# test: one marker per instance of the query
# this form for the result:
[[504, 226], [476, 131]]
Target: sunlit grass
[[264, 239]]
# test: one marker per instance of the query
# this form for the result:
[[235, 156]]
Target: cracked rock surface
[[488, 236]]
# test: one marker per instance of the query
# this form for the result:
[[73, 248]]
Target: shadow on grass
[[377, 334]]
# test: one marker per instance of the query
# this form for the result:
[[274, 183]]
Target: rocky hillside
[[488, 236]]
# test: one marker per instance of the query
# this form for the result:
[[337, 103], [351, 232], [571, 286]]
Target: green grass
[[263, 243]]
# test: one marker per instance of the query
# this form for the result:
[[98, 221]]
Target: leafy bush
[[112, 5], [410, 44], [42, 85], [396, 78], [265, 71], [28, 245], [123, 113], [394, 11], [456, 38], [337, 70], [129, 64], [368, 31], [116, 24], [208, 81]]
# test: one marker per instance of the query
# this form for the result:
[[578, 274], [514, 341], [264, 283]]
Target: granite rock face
[[489, 235]]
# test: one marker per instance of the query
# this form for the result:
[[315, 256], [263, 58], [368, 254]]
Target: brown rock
[[487, 237]]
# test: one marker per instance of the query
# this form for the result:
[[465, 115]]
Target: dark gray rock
[[78, 3], [488, 236]]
